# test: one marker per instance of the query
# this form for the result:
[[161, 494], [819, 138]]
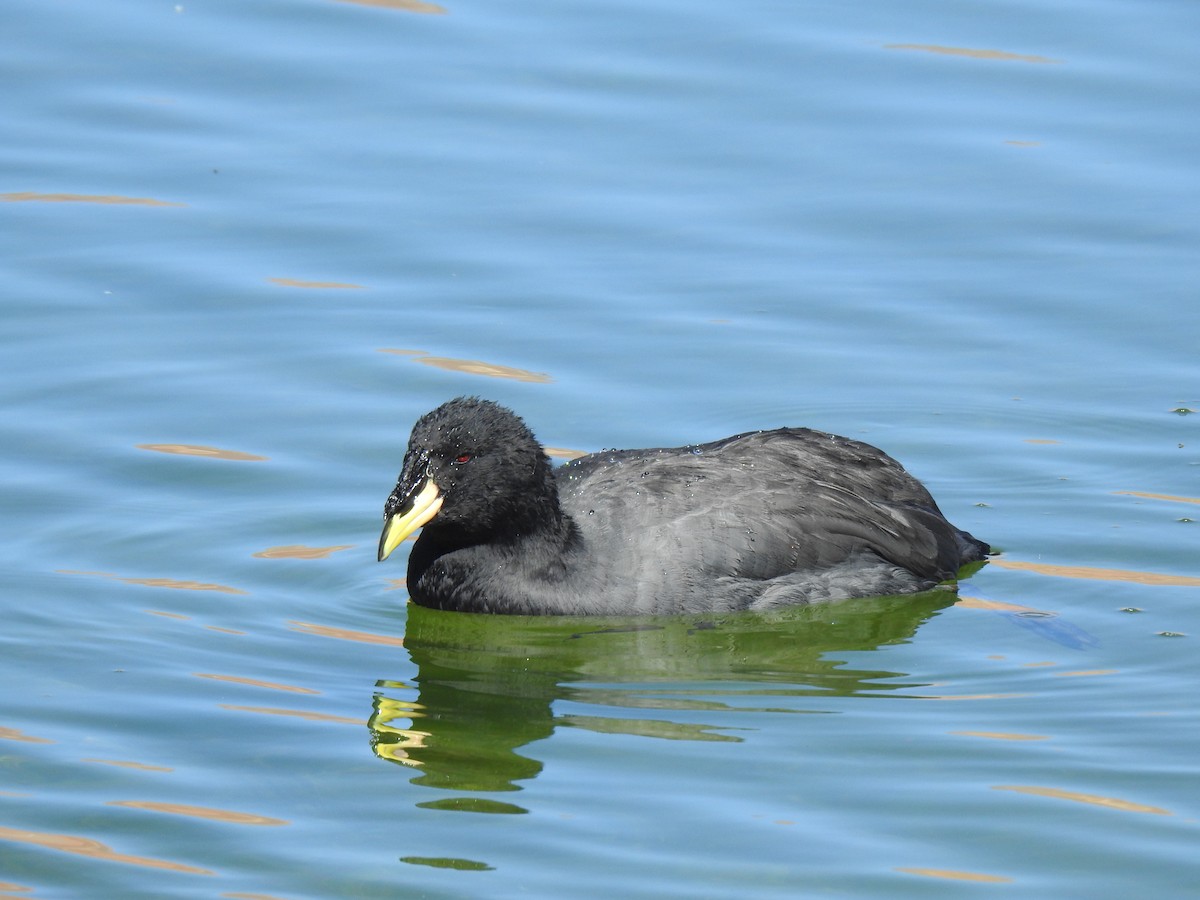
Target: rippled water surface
[[246, 244]]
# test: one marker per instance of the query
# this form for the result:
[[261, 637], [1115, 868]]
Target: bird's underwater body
[[754, 521]]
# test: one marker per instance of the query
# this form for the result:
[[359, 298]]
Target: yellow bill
[[424, 507]]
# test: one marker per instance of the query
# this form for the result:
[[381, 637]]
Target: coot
[[754, 521]]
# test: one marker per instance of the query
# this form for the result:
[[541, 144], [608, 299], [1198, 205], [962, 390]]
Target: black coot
[[753, 521]]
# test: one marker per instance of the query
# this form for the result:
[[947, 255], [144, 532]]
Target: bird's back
[[759, 519]]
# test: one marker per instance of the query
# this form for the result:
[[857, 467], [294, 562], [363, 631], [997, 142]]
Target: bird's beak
[[407, 517]]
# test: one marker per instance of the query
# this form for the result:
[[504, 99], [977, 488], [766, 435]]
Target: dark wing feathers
[[775, 502]]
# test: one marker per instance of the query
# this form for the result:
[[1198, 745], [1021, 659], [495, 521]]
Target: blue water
[[245, 245]]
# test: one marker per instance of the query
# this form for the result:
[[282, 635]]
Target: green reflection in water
[[486, 685], [447, 862], [475, 805]]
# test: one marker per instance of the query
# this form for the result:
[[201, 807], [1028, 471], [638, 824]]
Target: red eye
[[464, 458]]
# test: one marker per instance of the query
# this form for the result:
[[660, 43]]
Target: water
[[966, 234]]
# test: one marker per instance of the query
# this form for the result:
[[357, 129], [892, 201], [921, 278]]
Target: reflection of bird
[[757, 520], [488, 688], [1039, 621]]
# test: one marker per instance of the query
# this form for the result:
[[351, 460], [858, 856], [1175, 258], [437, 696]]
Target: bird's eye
[[462, 458]]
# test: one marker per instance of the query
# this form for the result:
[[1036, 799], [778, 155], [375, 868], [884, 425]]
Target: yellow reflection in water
[[109, 199], [1002, 735], [1094, 799], [955, 875], [398, 752], [472, 366], [253, 682], [127, 764], [70, 843], [388, 710], [345, 634], [975, 53], [980, 603], [15, 734], [412, 6], [9, 887], [971, 696], [564, 453], [160, 582], [299, 551], [1097, 574], [202, 450], [489, 370], [200, 812], [316, 285], [1170, 497], [295, 713]]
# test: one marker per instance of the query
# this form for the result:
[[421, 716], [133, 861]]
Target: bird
[[755, 521]]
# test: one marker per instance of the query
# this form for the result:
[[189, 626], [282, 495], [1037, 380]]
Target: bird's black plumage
[[753, 521]]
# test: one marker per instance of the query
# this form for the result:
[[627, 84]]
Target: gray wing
[[756, 506]]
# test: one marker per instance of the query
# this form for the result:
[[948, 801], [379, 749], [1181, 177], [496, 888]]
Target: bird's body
[[753, 521]]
